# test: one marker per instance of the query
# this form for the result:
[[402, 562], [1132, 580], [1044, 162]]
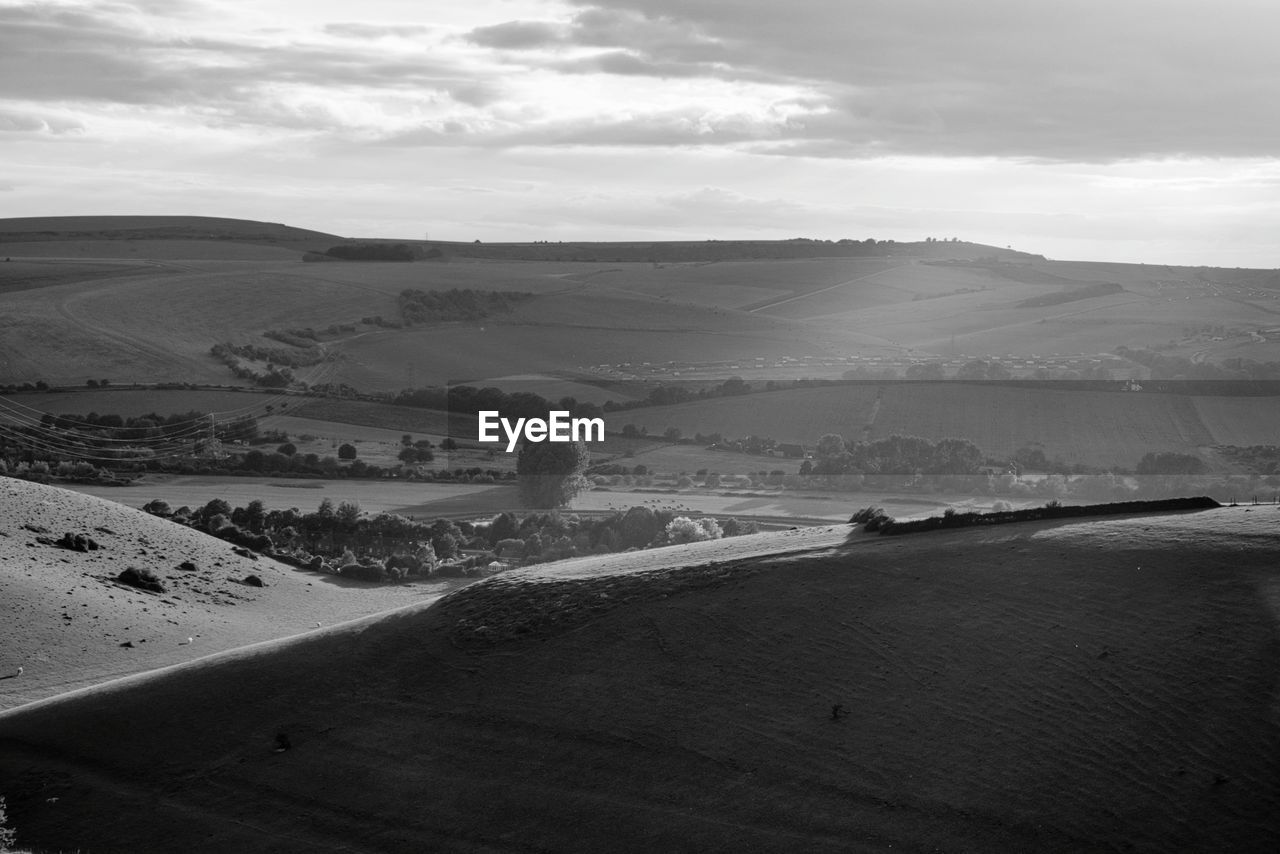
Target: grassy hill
[[68, 622], [146, 297], [994, 689], [133, 227]]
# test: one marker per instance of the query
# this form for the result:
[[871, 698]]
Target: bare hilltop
[[1051, 686]]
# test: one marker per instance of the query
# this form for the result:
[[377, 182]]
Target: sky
[[1121, 130]]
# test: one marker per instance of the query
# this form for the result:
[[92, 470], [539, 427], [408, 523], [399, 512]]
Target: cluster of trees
[[64, 471], [983, 369], [307, 336], [149, 426], [290, 357], [15, 388], [894, 455], [372, 252], [418, 306], [1169, 462], [273, 377], [340, 539], [1261, 459], [1051, 510], [1167, 367], [107, 439]]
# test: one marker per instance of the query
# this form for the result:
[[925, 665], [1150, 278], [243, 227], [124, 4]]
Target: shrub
[[143, 579], [364, 572], [254, 581], [682, 529], [346, 451], [158, 507], [866, 514], [510, 547]]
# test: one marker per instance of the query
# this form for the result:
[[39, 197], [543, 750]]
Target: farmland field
[[1240, 420], [149, 309], [1094, 428], [281, 492], [429, 500]]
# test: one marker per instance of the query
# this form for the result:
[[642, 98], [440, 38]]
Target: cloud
[[625, 63], [95, 55], [653, 129], [518, 35], [14, 121], [356, 30], [1091, 80]]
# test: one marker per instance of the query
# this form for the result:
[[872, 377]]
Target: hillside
[[143, 299], [67, 622], [1007, 689], [140, 227]]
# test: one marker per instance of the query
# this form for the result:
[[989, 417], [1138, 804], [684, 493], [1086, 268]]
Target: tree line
[[340, 539]]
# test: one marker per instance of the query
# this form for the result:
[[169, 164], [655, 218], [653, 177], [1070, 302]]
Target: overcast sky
[[1092, 129]]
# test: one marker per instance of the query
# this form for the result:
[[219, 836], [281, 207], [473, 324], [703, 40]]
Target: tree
[[346, 451], [926, 371], [410, 455], [550, 473], [503, 527], [830, 445]]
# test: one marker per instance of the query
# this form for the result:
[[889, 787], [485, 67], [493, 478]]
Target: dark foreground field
[[1089, 685]]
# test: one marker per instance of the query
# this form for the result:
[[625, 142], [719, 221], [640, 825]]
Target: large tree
[[550, 473]]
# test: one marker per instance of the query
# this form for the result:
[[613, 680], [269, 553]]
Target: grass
[[1093, 428], [158, 323], [1006, 689]]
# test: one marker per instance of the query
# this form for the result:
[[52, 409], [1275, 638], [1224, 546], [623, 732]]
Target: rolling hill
[[1012, 688], [143, 299], [67, 621]]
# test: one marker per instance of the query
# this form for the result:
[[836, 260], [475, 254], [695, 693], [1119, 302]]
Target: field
[[1007, 689], [1094, 428], [143, 300], [302, 493]]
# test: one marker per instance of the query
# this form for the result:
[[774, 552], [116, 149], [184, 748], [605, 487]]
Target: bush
[[346, 451], [682, 529], [364, 572], [143, 579], [158, 507]]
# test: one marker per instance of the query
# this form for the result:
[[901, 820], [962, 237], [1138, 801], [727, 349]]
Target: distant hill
[[138, 227], [1008, 689], [693, 251]]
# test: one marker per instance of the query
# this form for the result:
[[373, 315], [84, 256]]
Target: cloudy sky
[[1136, 130]]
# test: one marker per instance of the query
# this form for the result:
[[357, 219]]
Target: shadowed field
[[1010, 689]]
